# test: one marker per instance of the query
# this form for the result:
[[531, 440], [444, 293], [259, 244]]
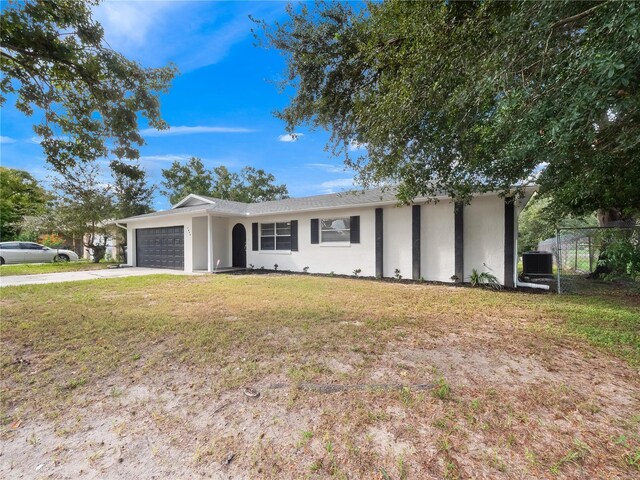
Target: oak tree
[[56, 64], [464, 97]]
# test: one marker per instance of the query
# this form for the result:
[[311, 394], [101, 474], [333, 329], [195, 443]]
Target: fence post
[[558, 258], [590, 257]]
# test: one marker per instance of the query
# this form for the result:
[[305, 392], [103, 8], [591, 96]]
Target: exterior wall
[[483, 241], [484, 236], [200, 242], [169, 221], [437, 253], [320, 258], [222, 241], [396, 246]]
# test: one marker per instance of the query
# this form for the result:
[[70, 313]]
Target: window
[[334, 230], [10, 246], [31, 246], [275, 236]]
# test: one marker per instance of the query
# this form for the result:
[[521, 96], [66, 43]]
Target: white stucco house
[[437, 241]]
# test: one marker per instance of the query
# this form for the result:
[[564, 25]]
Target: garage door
[[160, 247]]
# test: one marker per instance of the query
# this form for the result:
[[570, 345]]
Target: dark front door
[[239, 246], [160, 247]]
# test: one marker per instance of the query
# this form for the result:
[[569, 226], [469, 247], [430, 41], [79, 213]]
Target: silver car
[[30, 252]]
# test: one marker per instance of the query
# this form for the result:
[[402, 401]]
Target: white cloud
[[155, 33], [127, 25], [4, 139], [331, 186], [165, 158], [152, 132], [290, 137], [38, 140], [355, 146], [327, 167]]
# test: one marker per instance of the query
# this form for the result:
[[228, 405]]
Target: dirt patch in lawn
[[152, 387]]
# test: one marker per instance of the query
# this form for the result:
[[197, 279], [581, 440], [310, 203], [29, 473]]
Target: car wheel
[[61, 258], [1, 261]]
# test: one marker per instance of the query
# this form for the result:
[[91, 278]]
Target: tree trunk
[[613, 217], [97, 252]]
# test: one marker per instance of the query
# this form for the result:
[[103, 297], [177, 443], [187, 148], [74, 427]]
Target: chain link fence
[[595, 259]]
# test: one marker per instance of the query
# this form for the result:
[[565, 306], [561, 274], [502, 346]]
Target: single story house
[[367, 231]]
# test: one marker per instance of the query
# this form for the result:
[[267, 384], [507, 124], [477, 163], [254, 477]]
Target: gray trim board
[[415, 241], [459, 241], [509, 239], [379, 243]]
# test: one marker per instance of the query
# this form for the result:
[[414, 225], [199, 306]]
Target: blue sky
[[220, 107]]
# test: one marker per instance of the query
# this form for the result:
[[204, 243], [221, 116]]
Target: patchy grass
[[35, 268], [149, 374]]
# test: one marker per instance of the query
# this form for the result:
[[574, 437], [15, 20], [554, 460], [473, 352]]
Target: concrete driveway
[[59, 277]]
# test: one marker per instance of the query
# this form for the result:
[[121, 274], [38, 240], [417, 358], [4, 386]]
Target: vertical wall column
[[415, 241], [509, 242], [379, 240], [131, 246], [459, 241], [209, 243]]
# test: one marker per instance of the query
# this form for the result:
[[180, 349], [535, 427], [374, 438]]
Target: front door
[[239, 246]]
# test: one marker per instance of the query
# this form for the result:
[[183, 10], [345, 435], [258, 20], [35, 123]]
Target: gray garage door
[[160, 247]]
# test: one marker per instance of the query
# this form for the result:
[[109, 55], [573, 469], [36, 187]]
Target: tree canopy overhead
[[250, 185], [54, 60], [466, 97]]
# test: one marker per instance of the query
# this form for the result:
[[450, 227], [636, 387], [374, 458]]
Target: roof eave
[[165, 213], [189, 197]]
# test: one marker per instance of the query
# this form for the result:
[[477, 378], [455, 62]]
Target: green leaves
[[20, 196], [54, 61], [462, 97], [250, 185]]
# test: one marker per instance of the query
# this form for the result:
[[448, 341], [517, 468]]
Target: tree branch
[[577, 16]]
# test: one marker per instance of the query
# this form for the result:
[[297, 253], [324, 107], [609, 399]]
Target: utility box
[[537, 264]]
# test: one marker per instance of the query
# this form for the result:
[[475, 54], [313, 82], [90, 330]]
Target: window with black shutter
[[275, 236]]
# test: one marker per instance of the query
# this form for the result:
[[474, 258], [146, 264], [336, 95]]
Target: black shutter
[[255, 238], [315, 230], [415, 241], [509, 240], [355, 229], [379, 243], [294, 235]]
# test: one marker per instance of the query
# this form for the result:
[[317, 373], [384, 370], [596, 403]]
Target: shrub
[[622, 259], [28, 236], [484, 279], [52, 240]]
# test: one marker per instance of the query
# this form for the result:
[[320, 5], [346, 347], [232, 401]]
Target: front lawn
[[34, 268], [145, 377]]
